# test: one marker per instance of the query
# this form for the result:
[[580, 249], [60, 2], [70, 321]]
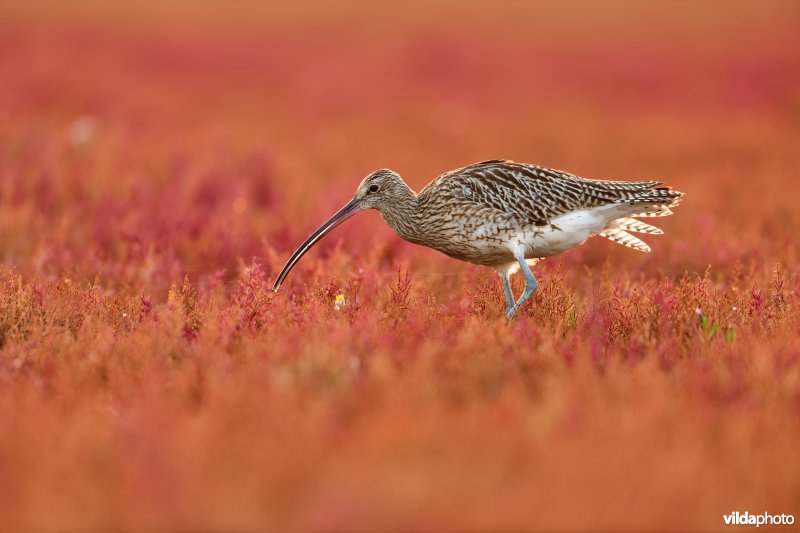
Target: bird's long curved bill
[[343, 214]]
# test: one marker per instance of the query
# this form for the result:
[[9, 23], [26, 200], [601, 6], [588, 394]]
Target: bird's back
[[537, 194]]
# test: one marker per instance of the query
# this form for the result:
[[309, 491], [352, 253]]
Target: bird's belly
[[565, 232], [549, 241]]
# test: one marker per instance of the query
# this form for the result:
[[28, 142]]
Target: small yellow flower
[[339, 301]]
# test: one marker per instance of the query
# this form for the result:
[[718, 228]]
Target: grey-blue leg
[[530, 286], [509, 294]]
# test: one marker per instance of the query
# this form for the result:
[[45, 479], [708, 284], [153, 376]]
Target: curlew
[[505, 215]]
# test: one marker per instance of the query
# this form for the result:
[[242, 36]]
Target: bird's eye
[[373, 188]]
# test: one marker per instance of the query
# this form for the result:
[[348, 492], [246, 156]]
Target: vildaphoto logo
[[746, 519]]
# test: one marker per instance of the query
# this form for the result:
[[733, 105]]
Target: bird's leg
[[530, 286], [509, 294]]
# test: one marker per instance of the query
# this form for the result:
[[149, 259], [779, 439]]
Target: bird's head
[[379, 190]]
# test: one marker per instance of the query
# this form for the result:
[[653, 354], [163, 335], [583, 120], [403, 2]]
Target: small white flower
[[698, 311]]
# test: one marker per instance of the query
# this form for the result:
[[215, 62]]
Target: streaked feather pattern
[[537, 194], [474, 211]]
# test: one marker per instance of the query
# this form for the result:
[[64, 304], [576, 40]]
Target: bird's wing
[[537, 194]]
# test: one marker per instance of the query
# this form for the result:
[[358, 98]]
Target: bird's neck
[[404, 215]]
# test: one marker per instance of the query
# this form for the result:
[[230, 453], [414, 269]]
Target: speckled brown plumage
[[505, 215]]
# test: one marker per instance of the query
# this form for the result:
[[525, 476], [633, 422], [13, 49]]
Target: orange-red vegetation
[[158, 163]]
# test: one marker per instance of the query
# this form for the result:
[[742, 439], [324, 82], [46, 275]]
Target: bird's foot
[[527, 293]]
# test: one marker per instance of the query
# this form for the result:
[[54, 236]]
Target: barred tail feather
[[656, 202], [626, 239], [637, 226], [662, 213], [652, 203]]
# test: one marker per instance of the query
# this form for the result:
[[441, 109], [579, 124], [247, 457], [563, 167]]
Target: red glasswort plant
[[153, 180]]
